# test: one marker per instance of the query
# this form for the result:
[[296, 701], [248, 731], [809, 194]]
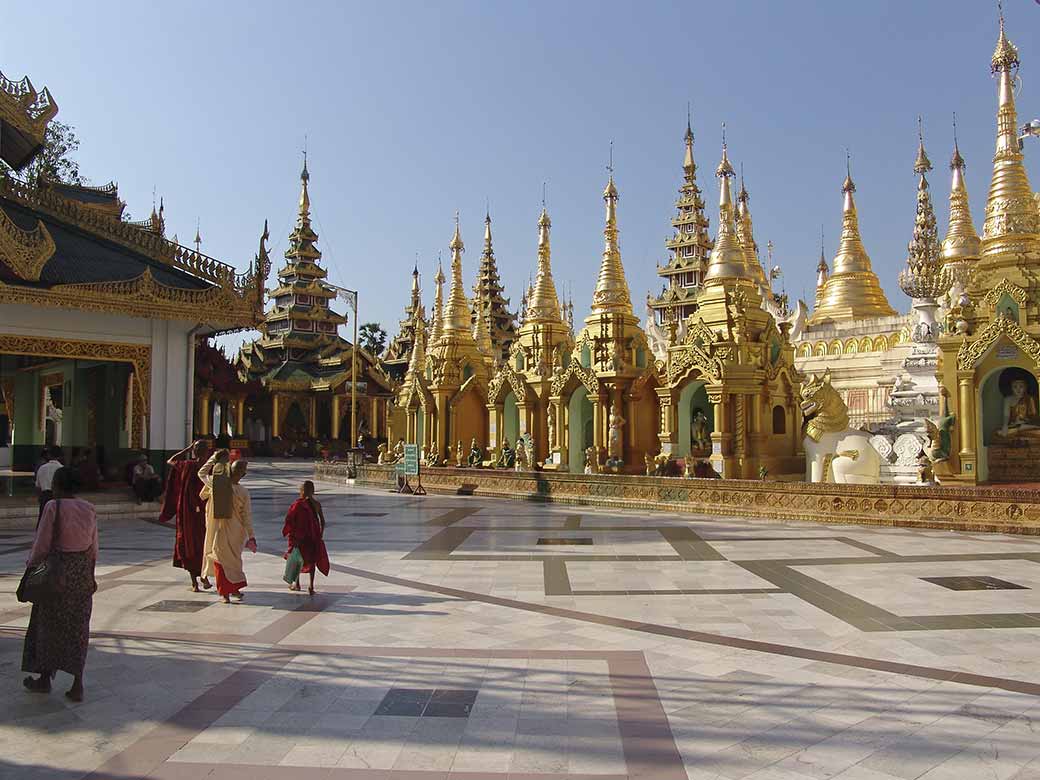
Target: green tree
[[55, 159], [372, 338]]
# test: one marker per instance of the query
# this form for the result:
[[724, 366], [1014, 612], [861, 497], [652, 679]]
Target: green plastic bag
[[293, 566]]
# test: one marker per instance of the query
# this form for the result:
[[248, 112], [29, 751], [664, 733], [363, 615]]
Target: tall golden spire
[[1011, 225], [418, 356], [611, 293], [852, 290], [544, 304], [456, 308], [305, 199], [727, 256], [822, 272], [923, 278], [746, 235], [962, 241], [437, 330], [302, 239]]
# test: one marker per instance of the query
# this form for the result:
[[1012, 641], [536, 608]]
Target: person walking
[[228, 531], [304, 529], [45, 475], [183, 502], [59, 626]]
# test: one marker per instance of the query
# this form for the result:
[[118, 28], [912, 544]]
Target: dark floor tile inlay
[[428, 702], [974, 583], [366, 514], [563, 540], [176, 606]]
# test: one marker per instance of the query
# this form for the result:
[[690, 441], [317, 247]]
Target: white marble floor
[[472, 638]]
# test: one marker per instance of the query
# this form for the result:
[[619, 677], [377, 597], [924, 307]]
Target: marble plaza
[[480, 638]]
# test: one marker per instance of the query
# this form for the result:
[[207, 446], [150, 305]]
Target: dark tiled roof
[[107, 195], [83, 258]]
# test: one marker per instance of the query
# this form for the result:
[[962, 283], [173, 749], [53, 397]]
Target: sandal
[[41, 685]]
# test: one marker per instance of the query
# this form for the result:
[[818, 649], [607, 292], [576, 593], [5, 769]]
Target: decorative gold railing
[[131, 236], [39, 107]]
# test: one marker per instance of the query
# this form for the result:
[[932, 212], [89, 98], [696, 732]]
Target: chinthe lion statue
[[834, 452]]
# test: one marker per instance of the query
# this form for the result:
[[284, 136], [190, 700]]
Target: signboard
[[411, 460]]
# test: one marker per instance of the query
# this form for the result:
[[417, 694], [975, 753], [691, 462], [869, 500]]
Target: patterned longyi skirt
[[59, 629]]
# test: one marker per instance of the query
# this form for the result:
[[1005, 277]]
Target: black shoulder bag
[[46, 579]]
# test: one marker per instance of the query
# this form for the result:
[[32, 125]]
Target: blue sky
[[414, 110]]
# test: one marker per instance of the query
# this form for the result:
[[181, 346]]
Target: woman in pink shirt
[[59, 629]]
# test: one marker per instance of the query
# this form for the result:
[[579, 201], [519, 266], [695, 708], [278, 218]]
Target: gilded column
[[312, 418], [204, 418], [240, 417], [966, 418], [276, 415], [666, 422], [335, 417]]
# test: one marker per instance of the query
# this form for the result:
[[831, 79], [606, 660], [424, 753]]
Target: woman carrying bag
[[59, 580], [304, 529]]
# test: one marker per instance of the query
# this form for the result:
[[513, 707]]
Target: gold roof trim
[[25, 108], [25, 252]]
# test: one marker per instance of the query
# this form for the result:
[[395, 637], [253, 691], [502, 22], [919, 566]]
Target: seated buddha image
[[1020, 418]]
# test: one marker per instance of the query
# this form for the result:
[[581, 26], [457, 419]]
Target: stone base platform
[[993, 509]]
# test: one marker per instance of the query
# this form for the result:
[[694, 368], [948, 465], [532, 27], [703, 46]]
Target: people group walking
[[214, 524]]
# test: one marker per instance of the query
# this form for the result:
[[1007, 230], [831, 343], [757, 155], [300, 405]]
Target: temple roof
[[82, 258]]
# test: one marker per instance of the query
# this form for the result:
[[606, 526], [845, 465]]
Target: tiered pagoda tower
[[605, 394], [688, 248], [458, 372], [487, 295], [300, 358], [395, 359], [961, 247], [518, 396], [990, 353], [732, 373]]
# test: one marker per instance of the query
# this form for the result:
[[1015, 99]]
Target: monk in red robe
[[304, 529], [182, 501]]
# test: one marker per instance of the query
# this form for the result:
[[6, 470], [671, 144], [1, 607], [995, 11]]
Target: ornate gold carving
[[829, 413], [138, 355], [507, 375], [7, 388], [585, 376], [1016, 293], [25, 108], [26, 252], [972, 352]]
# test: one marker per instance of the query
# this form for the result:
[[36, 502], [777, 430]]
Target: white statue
[[834, 452], [551, 415], [615, 423], [521, 462]]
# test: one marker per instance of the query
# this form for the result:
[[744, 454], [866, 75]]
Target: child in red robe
[[304, 529]]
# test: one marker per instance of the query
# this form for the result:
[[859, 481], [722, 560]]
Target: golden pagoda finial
[[487, 229], [852, 290], [198, 237], [688, 165], [456, 308], [727, 256], [746, 234], [611, 293], [437, 329], [923, 279], [922, 164], [305, 199], [1012, 222], [962, 240], [543, 305], [418, 356], [821, 274]]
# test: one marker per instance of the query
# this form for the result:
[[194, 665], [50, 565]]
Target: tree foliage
[[55, 160], [372, 337]]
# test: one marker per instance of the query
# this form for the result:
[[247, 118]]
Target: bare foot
[[294, 586], [206, 583], [239, 596], [227, 599], [194, 588], [310, 591], [74, 694]]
